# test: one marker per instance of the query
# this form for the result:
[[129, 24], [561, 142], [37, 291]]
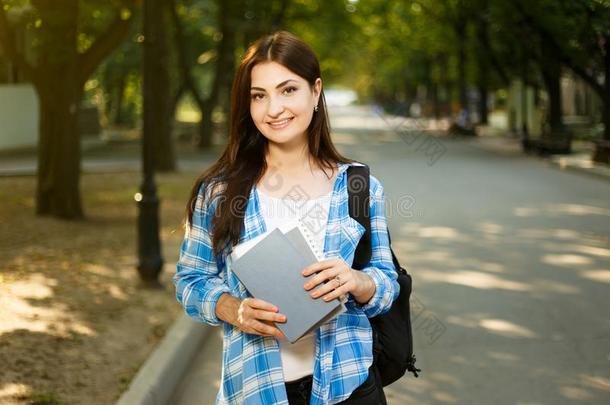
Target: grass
[[42, 398]]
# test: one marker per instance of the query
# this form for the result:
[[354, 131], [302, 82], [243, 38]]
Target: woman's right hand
[[257, 317]]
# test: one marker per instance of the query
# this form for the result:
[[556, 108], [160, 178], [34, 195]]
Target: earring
[[316, 108]]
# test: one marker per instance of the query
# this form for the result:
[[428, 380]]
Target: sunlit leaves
[[125, 14], [206, 57]]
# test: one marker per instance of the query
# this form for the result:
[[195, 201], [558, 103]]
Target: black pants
[[369, 393]]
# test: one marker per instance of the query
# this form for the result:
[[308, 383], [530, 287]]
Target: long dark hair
[[242, 163]]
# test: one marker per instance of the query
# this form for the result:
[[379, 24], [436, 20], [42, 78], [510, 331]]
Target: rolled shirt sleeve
[[198, 281], [381, 267]]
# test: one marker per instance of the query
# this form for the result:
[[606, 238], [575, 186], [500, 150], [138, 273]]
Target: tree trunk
[[606, 114], [408, 98], [119, 114], [558, 139], [483, 83], [461, 33], [443, 86], [228, 73], [606, 96], [601, 153], [175, 100], [483, 58], [221, 75], [435, 101], [462, 123], [58, 191], [109, 96], [483, 101], [551, 74], [59, 91], [184, 66], [205, 127], [160, 98], [525, 131]]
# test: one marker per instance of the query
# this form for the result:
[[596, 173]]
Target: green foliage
[[199, 19], [40, 21], [115, 86], [329, 28], [94, 17], [387, 50]]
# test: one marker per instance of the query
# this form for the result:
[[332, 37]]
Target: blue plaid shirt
[[251, 364]]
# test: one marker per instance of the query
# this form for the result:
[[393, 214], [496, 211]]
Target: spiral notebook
[[270, 268]]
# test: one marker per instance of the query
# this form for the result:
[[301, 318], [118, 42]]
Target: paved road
[[511, 264]]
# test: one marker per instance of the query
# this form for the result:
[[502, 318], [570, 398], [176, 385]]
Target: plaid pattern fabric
[[251, 364]]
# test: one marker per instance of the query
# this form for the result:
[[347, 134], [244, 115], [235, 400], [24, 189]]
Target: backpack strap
[[358, 185]]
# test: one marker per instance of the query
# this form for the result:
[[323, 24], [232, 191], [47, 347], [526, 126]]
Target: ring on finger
[[338, 280]]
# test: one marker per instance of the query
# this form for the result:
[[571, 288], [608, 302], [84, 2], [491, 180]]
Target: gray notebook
[[271, 271]]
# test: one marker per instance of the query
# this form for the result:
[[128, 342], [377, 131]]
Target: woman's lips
[[280, 124]]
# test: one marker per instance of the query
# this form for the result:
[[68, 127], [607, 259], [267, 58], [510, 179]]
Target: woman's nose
[[276, 107]]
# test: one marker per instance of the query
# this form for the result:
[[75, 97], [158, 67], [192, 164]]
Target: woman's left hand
[[340, 279]]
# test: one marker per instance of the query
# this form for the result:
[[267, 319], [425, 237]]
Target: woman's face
[[282, 103]]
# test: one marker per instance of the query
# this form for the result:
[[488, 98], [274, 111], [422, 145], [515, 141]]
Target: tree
[[235, 25], [576, 33], [186, 61], [194, 50], [488, 58], [223, 68], [158, 121], [68, 45], [119, 81]]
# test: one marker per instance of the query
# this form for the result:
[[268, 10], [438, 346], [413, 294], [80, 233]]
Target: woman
[[279, 149]]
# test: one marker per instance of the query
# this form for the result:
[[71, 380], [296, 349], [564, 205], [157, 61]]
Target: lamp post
[[149, 245]]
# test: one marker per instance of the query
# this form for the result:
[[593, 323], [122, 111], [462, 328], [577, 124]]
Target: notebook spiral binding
[[311, 241]]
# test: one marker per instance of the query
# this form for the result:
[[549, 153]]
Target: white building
[[18, 109]]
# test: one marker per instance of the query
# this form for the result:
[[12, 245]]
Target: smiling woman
[[282, 112], [280, 146]]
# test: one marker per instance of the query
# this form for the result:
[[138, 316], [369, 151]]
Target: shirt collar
[[342, 167]]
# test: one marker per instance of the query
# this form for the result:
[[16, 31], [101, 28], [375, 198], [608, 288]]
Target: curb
[[160, 374], [594, 170], [578, 163]]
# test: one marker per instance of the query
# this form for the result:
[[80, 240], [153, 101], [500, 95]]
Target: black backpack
[[392, 333]]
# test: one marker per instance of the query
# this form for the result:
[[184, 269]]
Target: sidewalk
[[102, 157], [578, 162]]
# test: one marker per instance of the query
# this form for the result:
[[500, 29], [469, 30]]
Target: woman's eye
[[257, 96], [289, 90]]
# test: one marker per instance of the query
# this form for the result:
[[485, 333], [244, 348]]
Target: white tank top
[[297, 358]]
